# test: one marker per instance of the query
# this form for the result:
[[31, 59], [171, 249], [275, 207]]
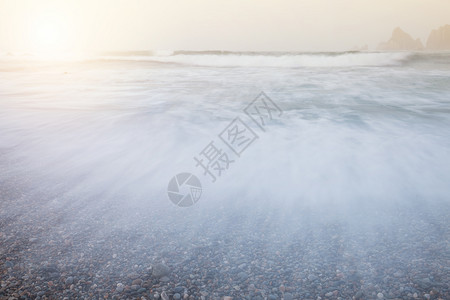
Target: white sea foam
[[347, 135]]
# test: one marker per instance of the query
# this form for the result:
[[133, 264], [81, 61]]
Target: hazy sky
[[301, 25]]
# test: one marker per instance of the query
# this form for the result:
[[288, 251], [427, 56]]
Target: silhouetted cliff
[[439, 39], [400, 40]]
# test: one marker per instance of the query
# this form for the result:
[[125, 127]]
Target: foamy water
[[344, 194], [359, 128]]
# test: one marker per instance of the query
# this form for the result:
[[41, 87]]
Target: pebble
[[164, 296], [119, 287], [312, 277], [242, 276], [160, 270], [380, 296], [69, 280], [288, 296], [398, 274], [9, 264], [176, 296]]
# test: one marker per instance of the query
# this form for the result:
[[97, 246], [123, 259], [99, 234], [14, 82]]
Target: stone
[[133, 276], [119, 287], [69, 280], [312, 277], [164, 296], [176, 296], [380, 296], [242, 276], [160, 270], [288, 296], [398, 274]]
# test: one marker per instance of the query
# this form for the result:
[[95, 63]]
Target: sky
[[236, 25]]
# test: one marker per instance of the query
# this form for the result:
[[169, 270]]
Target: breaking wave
[[262, 59], [226, 59]]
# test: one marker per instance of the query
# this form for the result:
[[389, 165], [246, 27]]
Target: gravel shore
[[223, 253]]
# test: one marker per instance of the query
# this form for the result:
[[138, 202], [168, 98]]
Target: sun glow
[[50, 36]]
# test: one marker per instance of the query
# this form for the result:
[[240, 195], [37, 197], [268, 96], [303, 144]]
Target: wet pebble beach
[[222, 253]]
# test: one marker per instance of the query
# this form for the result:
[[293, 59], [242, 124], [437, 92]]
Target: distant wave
[[264, 59], [227, 59], [288, 59]]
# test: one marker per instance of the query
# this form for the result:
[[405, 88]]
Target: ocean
[[328, 174]]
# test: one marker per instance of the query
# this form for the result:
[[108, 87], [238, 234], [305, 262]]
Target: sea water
[[349, 173], [364, 127]]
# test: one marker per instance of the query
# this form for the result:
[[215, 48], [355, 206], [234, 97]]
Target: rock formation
[[439, 39], [400, 40]]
